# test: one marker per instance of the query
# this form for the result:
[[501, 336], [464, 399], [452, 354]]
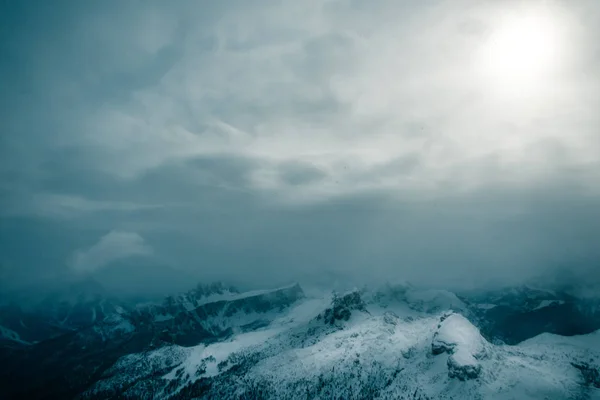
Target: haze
[[150, 145]]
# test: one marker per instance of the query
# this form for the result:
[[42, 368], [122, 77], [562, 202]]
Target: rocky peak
[[342, 307], [459, 338]]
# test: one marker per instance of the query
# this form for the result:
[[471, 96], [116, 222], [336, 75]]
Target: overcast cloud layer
[[262, 142]]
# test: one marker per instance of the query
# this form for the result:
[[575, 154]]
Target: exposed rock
[[591, 375], [439, 344], [459, 338], [67, 364], [439, 347], [143, 353], [342, 307], [463, 371], [390, 318]]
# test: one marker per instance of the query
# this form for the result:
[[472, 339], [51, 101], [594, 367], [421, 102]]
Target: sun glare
[[522, 50]]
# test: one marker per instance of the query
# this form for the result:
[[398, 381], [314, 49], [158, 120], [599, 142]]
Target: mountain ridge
[[214, 337]]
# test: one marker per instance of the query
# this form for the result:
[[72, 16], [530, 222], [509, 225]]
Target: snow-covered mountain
[[65, 364], [41, 317], [518, 313], [398, 342]]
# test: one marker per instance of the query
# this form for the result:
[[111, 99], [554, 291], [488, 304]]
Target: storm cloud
[[318, 141]]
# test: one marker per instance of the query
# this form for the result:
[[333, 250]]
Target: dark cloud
[[260, 143], [296, 173]]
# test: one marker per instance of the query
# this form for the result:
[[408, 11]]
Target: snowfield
[[548, 303], [9, 334], [389, 347]]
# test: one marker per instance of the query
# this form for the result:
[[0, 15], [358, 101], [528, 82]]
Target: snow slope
[[388, 352], [10, 335]]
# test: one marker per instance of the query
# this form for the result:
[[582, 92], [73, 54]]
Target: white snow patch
[[124, 327], [162, 317], [9, 334], [459, 335], [486, 306], [201, 354], [231, 296], [297, 348], [547, 303], [433, 299]]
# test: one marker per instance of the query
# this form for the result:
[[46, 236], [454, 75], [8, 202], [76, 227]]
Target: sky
[[263, 142]]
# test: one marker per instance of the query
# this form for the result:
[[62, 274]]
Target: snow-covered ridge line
[[229, 296], [188, 302], [376, 352], [393, 341]]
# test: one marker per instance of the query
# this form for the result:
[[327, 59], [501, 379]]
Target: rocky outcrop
[[464, 344], [439, 344], [462, 370], [590, 374], [214, 316], [66, 365], [342, 307]]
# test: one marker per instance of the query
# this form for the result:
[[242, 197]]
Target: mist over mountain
[[388, 341], [401, 199]]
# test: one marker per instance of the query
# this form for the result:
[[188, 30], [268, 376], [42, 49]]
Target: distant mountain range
[[215, 342]]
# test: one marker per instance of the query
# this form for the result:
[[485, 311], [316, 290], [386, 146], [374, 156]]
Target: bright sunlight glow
[[522, 51]]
